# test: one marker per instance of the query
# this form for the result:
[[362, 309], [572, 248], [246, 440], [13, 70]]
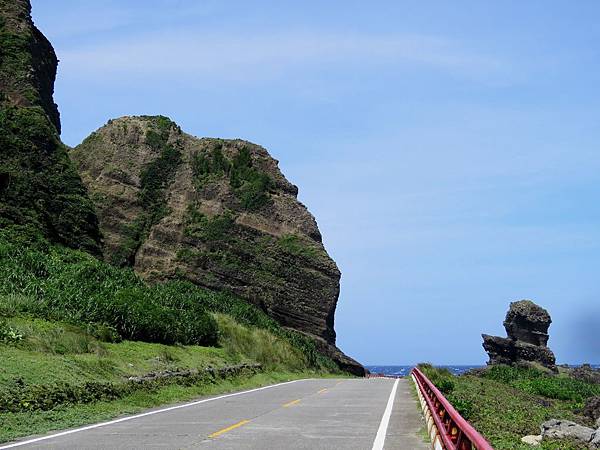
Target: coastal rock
[[508, 351], [216, 212], [560, 429], [527, 322], [527, 327]]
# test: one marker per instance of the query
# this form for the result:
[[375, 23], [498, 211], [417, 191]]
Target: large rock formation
[[38, 186], [527, 326], [216, 212]]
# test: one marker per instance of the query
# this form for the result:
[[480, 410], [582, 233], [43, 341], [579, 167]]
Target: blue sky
[[449, 150]]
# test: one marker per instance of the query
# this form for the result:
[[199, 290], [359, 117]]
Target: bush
[[9, 335], [537, 382]]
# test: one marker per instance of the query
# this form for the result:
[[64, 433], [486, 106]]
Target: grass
[[506, 403], [53, 282], [273, 352]]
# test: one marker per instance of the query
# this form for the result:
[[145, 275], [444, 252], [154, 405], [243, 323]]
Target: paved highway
[[311, 414]]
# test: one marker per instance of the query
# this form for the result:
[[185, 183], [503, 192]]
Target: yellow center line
[[322, 391], [292, 403], [225, 430]]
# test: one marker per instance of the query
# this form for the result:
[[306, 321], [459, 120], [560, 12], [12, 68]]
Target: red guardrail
[[446, 427]]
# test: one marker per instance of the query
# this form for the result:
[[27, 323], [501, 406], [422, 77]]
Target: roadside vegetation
[[74, 331], [506, 403]]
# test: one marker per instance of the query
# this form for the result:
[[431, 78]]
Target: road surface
[[311, 414]]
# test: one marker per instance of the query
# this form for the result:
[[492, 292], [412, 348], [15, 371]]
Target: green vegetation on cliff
[[250, 185], [506, 403], [38, 184]]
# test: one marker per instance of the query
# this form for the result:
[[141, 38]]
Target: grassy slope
[[54, 353], [506, 404], [63, 315]]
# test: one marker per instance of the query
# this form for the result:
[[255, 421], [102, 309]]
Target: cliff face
[[216, 212], [38, 185], [27, 60]]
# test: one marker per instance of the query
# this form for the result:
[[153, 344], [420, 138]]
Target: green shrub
[[296, 246], [8, 334], [537, 382], [464, 407], [215, 228]]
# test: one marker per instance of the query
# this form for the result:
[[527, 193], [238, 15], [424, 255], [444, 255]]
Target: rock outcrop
[[565, 429], [39, 187], [585, 373], [591, 409], [527, 326], [216, 212]]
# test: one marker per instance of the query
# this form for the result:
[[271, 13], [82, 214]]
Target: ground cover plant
[[506, 403]]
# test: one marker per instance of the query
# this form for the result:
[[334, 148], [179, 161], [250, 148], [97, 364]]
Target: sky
[[449, 150]]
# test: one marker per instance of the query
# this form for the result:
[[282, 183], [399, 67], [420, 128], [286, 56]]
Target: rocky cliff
[[216, 212], [527, 326], [39, 188]]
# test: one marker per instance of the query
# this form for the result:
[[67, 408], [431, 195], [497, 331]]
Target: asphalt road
[[307, 414]]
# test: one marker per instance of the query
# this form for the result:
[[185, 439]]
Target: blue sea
[[402, 371]]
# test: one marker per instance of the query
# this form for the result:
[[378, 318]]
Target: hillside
[[38, 184], [216, 212], [86, 336]]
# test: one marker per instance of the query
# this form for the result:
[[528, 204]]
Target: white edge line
[[137, 416], [385, 420]]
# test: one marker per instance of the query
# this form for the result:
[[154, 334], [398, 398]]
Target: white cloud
[[240, 56]]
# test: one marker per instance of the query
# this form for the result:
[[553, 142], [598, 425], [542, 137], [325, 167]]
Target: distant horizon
[[450, 159]]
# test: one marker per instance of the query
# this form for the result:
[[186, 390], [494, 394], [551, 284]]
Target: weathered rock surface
[[39, 188], [595, 440], [561, 429], [527, 327], [591, 408], [527, 322], [216, 212]]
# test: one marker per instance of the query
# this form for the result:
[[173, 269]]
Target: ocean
[[402, 371]]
